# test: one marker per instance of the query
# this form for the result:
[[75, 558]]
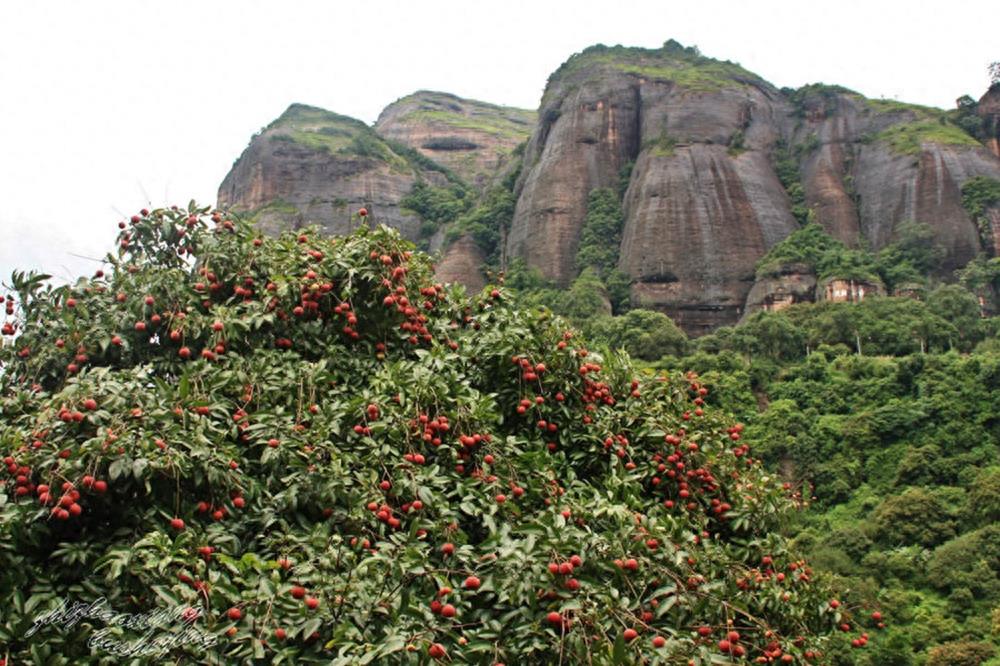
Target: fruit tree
[[310, 452]]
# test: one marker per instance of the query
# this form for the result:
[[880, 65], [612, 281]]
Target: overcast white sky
[[109, 106]]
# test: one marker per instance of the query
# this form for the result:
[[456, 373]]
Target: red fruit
[[630, 634], [733, 636], [298, 592], [472, 583], [554, 618], [149, 300], [877, 616], [312, 603], [724, 645], [448, 610], [177, 524], [140, 326], [834, 604], [90, 404], [631, 564], [280, 634], [100, 486], [217, 326], [448, 548], [501, 498], [234, 614], [363, 212], [659, 641], [435, 651], [239, 502], [704, 631], [116, 340], [184, 352]]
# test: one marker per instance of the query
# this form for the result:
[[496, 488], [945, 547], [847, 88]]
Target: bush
[[960, 653], [917, 516], [265, 431]]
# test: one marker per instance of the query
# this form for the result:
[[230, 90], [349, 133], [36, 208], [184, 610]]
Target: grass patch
[[326, 131], [908, 138], [495, 125], [893, 106]]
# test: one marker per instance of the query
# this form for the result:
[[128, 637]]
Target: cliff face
[[702, 204], [314, 166], [473, 139], [870, 165], [713, 165], [989, 110]]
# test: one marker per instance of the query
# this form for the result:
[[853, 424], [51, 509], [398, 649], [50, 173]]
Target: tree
[[313, 453], [644, 334], [917, 516]]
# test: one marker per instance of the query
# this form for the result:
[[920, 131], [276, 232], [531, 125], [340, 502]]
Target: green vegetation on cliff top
[[324, 130], [682, 65], [907, 138], [504, 121]]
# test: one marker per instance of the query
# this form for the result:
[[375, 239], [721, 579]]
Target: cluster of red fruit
[[682, 466], [220, 512], [431, 429], [565, 569], [414, 321], [798, 572], [9, 328], [66, 504]]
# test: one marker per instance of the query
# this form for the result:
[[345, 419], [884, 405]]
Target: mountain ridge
[[721, 166]]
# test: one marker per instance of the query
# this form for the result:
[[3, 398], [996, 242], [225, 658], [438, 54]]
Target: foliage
[[600, 238], [815, 248], [643, 334], [485, 222], [437, 205], [978, 194], [960, 653], [786, 167], [907, 138], [684, 66], [895, 451], [817, 94], [907, 260], [334, 460]]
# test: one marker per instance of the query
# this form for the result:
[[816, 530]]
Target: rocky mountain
[[314, 166], [473, 139], [714, 167]]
